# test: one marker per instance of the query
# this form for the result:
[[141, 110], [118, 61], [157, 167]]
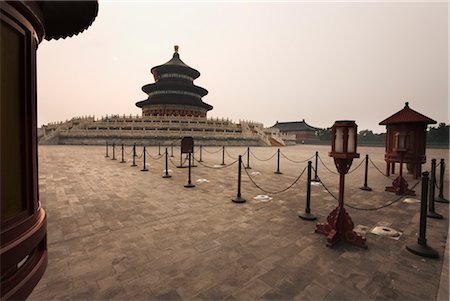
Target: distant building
[[303, 132], [174, 93], [173, 109]]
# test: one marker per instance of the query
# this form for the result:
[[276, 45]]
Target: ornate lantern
[[401, 146], [343, 149]]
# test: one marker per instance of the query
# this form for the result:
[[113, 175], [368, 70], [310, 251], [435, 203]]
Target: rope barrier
[[156, 157], [328, 190], [379, 170], [251, 152], [373, 208], [140, 156], [326, 167], [293, 161], [174, 164], [275, 192], [128, 153], [212, 152], [213, 167], [231, 157], [360, 163]]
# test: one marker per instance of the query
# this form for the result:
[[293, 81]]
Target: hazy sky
[[318, 61]]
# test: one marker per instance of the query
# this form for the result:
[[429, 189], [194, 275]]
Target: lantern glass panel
[[351, 148], [339, 140]]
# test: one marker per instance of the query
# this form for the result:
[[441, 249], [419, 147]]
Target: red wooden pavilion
[[406, 139]]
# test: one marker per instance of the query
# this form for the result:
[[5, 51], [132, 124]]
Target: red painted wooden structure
[[23, 223], [413, 126], [339, 224]]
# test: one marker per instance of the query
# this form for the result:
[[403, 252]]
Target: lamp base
[[340, 227], [400, 187]]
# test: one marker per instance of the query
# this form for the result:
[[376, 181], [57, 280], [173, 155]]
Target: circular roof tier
[[161, 86], [171, 100], [175, 65]]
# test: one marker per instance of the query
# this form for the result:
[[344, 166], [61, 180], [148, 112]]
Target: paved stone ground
[[115, 232]]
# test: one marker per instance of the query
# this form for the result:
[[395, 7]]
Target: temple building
[[173, 109], [303, 132], [174, 92]]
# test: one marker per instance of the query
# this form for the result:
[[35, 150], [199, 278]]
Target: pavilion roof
[[294, 126], [407, 115]]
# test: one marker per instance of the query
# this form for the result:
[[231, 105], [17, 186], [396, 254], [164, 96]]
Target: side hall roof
[[294, 126]]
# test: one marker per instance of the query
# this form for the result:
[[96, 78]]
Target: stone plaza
[[116, 232]]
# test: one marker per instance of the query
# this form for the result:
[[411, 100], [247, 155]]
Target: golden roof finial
[[176, 48]]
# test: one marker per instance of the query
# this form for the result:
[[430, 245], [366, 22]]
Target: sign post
[[187, 147]]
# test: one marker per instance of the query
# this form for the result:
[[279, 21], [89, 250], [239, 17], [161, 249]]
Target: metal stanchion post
[[238, 198], [123, 159], [307, 215], [248, 158], [316, 178], [223, 155], [365, 187], [189, 184], [134, 155], [159, 148], [421, 248], [114, 152], [278, 163], [144, 168], [107, 156], [201, 150], [431, 210], [171, 150], [181, 161], [441, 198], [166, 172]]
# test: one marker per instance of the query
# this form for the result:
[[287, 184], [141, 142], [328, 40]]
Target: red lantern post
[[343, 149]]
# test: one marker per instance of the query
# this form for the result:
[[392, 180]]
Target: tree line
[[436, 135]]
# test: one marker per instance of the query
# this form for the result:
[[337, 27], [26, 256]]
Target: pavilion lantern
[[343, 150], [405, 143], [344, 139], [400, 142]]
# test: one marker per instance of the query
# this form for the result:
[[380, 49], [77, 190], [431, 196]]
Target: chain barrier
[[274, 192], [360, 163], [251, 152], [212, 152], [326, 167], [379, 170], [213, 167], [293, 161]]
